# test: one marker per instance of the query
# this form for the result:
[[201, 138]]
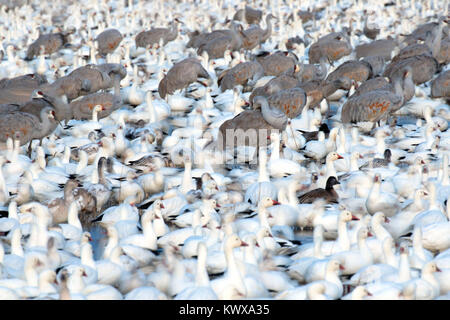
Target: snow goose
[[341, 244], [330, 167], [298, 268], [232, 276], [280, 167], [263, 188], [434, 214], [129, 189], [381, 201], [427, 286], [355, 260], [147, 239], [73, 229], [436, 236], [316, 149], [202, 289], [253, 224], [74, 247], [334, 288], [402, 221], [82, 128], [380, 232]]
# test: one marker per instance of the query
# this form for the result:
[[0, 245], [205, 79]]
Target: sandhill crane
[[333, 46], [254, 36], [155, 35], [108, 41], [181, 75], [240, 75], [440, 87], [355, 70], [381, 47], [249, 15], [50, 43], [277, 63]]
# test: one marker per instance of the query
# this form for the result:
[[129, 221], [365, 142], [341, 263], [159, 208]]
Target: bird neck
[[404, 269], [436, 44]]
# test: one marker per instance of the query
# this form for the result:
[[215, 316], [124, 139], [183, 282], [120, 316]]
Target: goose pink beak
[[340, 157], [162, 206], [355, 218], [387, 220], [244, 244], [275, 202], [341, 267]]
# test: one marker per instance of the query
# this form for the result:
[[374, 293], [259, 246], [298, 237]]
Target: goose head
[[268, 202], [233, 241], [347, 216], [331, 181], [334, 266], [380, 217], [332, 156]]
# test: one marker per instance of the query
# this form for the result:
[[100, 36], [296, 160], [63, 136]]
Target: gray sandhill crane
[[381, 47], [240, 75], [355, 70], [249, 15], [382, 83], [254, 36], [431, 47], [290, 101], [423, 67], [373, 106], [267, 119], [333, 46], [318, 90], [25, 126], [82, 108], [181, 75], [309, 72], [85, 80], [50, 43], [277, 63], [155, 35], [285, 81], [18, 90], [370, 31], [440, 87], [108, 41], [378, 63]]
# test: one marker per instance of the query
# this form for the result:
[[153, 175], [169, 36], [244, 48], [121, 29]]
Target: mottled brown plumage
[[50, 42], [423, 67], [254, 36], [440, 87], [277, 63], [333, 48], [290, 101], [155, 35], [355, 70], [108, 41], [382, 47], [181, 75], [240, 74]]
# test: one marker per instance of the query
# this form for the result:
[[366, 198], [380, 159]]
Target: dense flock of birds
[[129, 169]]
